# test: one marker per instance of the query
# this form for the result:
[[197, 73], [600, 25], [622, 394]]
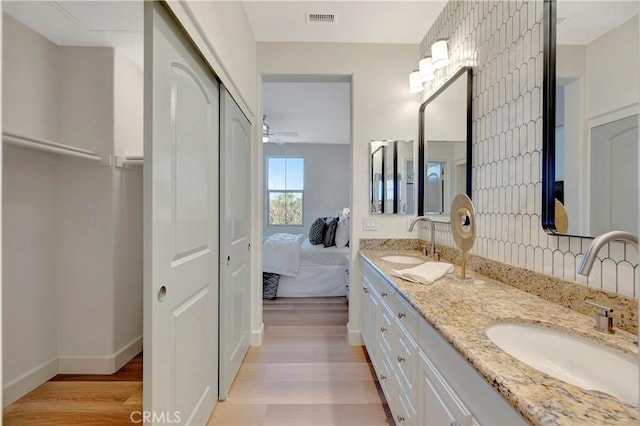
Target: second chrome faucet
[[434, 254]]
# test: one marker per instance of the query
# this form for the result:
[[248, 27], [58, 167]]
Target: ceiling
[[308, 112], [317, 112], [581, 22], [117, 24], [356, 21]]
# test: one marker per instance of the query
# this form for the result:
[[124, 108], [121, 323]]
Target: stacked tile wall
[[503, 42]]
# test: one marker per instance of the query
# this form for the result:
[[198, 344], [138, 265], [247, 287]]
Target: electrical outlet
[[369, 224]]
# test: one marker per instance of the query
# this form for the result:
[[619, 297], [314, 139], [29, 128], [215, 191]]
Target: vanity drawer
[[386, 331], [406, 365], [405, 412], [406, 315], [386, 379]]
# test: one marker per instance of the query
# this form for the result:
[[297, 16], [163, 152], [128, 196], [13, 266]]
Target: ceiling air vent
[[321, 18]]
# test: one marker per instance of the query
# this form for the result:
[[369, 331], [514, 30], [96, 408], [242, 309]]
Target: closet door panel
[[235, 230], [181, 226]]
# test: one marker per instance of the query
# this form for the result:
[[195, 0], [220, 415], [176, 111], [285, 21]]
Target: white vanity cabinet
[[424, 379]]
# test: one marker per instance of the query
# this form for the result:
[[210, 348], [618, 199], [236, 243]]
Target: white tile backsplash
[[503, 42]]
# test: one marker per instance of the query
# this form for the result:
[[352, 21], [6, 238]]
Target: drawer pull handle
[[401, 315], [383, 294], [382, 329], [400, 418], [366, 290], [382, 377], [400, 359]]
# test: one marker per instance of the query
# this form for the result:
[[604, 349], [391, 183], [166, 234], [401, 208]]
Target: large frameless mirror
[[590, 116], [444, 146], [391, 177]]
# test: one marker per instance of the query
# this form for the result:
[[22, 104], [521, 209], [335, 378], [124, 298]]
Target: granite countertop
[[462, 312]]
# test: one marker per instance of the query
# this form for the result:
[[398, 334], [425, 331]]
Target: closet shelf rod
[[48, 146], [123, 161]]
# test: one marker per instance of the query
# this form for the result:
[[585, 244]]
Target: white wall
[[30, 103], [127, 254], [382, 108], [613, 58], [29, 292], [73, 272], [30, 97], [326, 181], [86, 88], [85, 271], [126, 211], [128, 106]]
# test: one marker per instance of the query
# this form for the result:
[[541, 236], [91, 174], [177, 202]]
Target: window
[[285, 188]]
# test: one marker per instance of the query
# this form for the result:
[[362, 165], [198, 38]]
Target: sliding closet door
[[235, 230], [180, 226]]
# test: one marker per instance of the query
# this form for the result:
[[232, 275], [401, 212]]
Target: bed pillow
[[316, 232], [342, 231], [331, 224], [270, 285]]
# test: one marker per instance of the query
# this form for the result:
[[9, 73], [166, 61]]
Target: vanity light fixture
[[440, 54], [415, 83], [426, 69]]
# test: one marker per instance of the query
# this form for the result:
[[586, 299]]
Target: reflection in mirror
[[445, 146], [377, 182], [391, 177], [590, 151]]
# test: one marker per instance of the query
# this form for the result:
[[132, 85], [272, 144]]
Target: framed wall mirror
[[391, 177], [590, 117], [444, 146]]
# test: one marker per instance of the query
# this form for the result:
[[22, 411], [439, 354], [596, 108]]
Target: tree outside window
[[285, 187]]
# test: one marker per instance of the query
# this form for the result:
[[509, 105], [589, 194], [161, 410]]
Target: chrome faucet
[[604, 319], [598, 242], [434, 254]]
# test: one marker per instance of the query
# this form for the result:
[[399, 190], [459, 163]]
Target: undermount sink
[[407, 260], [570, 358]]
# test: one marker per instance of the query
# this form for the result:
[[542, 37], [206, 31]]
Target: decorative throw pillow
[[342, 231], [270, 285], [316, 232], [331, 223]]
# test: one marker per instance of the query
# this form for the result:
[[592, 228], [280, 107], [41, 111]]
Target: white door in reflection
[[435, 187], [614, 176]]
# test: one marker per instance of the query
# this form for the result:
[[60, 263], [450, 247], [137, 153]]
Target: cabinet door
[[439, 404], [366, 312], [374, 327]]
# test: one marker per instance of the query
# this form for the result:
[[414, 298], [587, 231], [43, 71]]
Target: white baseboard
[[257, 336], [100, 364], [127, 352], [30, 380], [353, 336]]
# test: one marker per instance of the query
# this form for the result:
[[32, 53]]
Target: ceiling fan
[[269, 136]]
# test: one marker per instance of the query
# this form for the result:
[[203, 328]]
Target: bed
[[310, 270]]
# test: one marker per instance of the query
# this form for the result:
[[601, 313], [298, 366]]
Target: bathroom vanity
[[436, 364]]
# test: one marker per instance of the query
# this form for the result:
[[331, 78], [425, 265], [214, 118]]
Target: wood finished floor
[[304, 373], [78, 399]]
